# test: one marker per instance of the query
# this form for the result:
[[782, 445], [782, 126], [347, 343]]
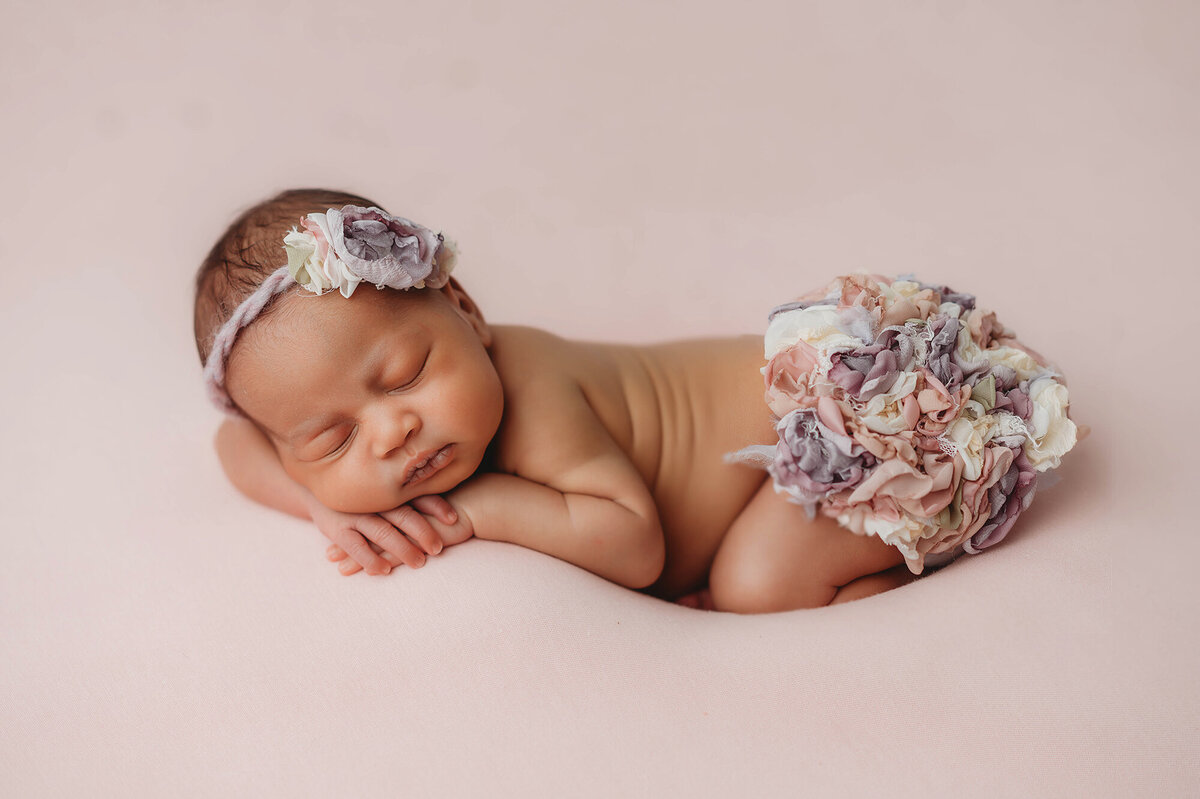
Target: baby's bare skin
[[607, 456], [675, 409]]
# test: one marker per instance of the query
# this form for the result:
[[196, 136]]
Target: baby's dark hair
[[249, 250]]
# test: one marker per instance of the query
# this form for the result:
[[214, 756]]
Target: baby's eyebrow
[[375, 359]]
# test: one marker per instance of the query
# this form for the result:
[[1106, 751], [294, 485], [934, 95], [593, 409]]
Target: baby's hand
[[378, 541]]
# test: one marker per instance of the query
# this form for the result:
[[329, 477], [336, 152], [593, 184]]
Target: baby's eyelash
[[343, 445]]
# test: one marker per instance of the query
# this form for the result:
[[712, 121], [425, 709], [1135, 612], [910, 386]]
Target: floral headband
[[337, 250]]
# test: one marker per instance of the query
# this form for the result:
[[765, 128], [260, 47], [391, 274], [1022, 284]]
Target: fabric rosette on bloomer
[[906, 412], [339, 249]]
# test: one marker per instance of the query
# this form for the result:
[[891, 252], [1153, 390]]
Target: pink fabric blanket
[[611, 169]]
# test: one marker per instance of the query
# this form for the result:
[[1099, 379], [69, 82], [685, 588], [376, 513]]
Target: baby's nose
[[393, 432]]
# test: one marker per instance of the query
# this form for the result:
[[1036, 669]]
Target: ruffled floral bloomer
[[906, 412]]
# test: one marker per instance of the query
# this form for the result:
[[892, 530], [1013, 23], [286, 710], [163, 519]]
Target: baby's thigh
[[775, 558]]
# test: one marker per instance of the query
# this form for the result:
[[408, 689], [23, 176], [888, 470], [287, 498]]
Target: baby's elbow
[[649, 556], [222, 446], [230, 441]]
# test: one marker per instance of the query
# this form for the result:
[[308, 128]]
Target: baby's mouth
[[427, 465]]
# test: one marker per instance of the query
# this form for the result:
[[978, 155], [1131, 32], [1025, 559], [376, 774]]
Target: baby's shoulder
[[545, 406], [537, 369], [525, 353]]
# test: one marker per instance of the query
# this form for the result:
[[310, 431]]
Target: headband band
[[337, 250]]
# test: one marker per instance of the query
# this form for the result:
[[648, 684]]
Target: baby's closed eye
[[327, 444], [405, 383], [344, 445]]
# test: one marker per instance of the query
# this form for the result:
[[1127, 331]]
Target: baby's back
[[675, 409]]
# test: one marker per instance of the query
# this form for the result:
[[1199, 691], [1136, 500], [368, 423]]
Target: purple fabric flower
[[383, 249], [866, 372], [943, 331], [1006, 377], [1015, 401], [1009, 495], [811, 460], [945, 359], [1012, 395]]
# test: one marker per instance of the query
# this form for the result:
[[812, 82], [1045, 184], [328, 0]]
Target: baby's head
[[370, 397]]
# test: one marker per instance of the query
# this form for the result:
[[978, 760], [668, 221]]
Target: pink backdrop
[[616, 170]]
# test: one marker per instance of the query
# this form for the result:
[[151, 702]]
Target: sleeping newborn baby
[[903, 425]]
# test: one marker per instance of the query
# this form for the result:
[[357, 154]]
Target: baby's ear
[[468, 309]]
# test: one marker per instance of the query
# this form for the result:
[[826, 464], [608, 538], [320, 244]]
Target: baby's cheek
[[326, 490], [359, 494]]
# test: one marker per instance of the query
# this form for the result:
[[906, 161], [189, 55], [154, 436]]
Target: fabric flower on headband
[[340, 249], [337, 250], [905, 412]]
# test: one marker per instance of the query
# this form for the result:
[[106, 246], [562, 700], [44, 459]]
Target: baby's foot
[[700, 600]]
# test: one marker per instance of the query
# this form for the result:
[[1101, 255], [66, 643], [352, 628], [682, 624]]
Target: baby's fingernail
[[345, 566], [453, 517], [386, 570]]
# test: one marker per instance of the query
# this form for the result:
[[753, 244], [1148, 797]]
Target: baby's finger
[[348, 567], [360, 551], [335, 553], [388, 556], [415, 526], [386, 536], [436, 505]]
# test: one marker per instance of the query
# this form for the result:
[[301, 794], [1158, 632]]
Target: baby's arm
[[252, 466], [575, 494], [597, 533], [375, 542]]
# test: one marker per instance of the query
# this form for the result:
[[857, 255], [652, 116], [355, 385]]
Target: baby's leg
[[874, 584], [773, 558]]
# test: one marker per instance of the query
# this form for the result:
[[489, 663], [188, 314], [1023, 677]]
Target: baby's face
[[374, 400]]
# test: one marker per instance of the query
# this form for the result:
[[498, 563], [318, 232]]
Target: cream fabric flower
[[817, 325], [303, 264], [311, 262], [905, 534], [896, 410], [1051, 432], [971, 432]]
